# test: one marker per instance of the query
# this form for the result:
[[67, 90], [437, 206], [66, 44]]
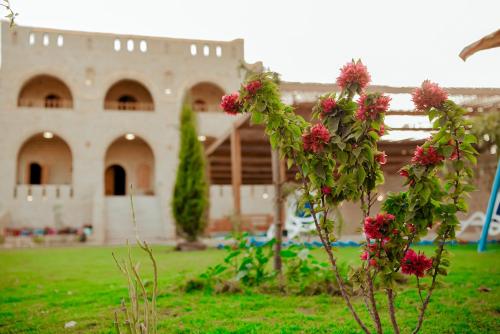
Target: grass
[[42, 289]]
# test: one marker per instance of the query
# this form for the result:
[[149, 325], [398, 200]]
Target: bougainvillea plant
[[338, 160]]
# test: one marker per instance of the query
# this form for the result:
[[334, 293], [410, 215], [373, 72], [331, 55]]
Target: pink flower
[[315, 139], [326, 190], [426, 157], [231, 104], [430, 95], [378, 227], [364, 255], [404, 172], [371, 105], [353, 75], [381, 132], [381, 158], [373, 262], [327, 106], [411, 228], [253, 86], [415, 264]]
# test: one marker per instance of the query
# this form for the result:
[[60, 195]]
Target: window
[[200, 105], [218, 51], [130, 45], [143, 46], [32, 38], [52, 101], [45, 40], [206, 51], [194, 50], [60, 40], [117, 45]]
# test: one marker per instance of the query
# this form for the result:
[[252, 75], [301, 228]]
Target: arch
[[45, 91], [44, 158], [128, 94], [135, 156], [115, 181], [205, 96]]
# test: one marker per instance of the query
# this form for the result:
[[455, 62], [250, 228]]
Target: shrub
[[190, 192], [338, 160]]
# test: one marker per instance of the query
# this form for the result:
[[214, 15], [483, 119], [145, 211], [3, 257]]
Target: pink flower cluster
[[426, 157], [354, 75], [231, 103], [371, 105], [378, 227], [381, 158], [372, 252], [253, 86], [430, 95], [327, 106], [315, 139], [415, 264]]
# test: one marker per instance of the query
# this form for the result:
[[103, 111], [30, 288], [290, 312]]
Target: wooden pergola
[[243, 155]]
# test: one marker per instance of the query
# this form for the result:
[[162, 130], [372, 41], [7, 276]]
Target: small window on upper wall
[[117, 45], [130, 45], [60, 40], [143, 46], [31, 38], [45, 39], [218, 51], [194, 50], [206, 51]]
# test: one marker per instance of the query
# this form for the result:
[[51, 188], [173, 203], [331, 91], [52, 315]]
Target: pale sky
[[401, 42]]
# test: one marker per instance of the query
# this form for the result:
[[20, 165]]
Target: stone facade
[[80, 110]]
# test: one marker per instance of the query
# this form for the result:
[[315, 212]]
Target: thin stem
[[419, 290], [392, 311], [332, 259], [370, 279]]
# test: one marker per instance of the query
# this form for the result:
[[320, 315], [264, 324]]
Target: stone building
[[83, 115]]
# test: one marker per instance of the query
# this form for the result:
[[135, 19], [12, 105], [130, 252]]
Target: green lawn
[[42, 289]]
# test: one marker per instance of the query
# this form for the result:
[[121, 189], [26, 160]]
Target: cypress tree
[[190, 198]]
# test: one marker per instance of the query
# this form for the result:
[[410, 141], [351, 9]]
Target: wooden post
[[278, 208], [236, 177]]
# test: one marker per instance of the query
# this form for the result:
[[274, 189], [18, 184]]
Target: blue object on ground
[[489, 213]]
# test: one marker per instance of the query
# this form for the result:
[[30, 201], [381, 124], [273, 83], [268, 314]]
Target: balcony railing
[[128, 106], [45, 103], [38, 192]]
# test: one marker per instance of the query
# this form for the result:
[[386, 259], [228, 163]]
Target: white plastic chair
[[297, 223], [477, 219]]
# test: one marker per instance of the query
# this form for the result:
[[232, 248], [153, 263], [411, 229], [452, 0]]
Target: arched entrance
[[45, 158], [115, 181], [129, 161]]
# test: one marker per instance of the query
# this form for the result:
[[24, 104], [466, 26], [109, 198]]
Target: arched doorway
[[45, 91], [129, 161], [128, 95], [115, 181], [44, 158]]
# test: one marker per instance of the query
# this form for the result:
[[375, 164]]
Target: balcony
[[128, 106], [45, 103], [45, 192]]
